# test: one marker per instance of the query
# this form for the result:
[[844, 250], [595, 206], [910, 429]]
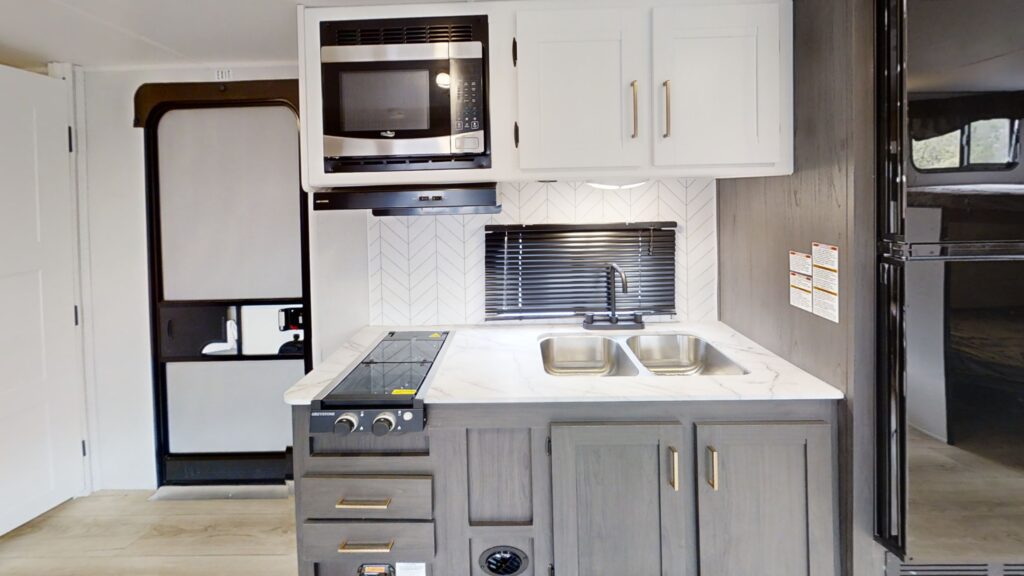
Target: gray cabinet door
[[618, 500], [765, 500]]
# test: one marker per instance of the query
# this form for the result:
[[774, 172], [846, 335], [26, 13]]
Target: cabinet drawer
[[367, 497], [367, 542]]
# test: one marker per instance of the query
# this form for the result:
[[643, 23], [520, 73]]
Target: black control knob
[[383, 423], [346, 424]]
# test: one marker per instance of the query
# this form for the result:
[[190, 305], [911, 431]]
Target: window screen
[[537, 271], [979, 145]]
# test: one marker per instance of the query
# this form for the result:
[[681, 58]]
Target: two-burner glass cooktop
[[392, 372]]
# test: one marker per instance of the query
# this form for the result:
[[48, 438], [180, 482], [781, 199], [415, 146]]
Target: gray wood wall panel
[[829, 198], [500, 476]]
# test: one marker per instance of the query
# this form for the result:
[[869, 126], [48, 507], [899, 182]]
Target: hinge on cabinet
[[515, 52], [76, 315], [84, 452], [515, 133], [71, 141], [547, 445], [551, 570]]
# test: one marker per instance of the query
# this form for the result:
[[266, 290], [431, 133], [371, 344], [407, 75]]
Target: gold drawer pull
[[382, 548], [713, 468], [363, 504]]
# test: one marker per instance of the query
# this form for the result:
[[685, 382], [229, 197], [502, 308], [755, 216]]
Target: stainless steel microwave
[[404, 94]]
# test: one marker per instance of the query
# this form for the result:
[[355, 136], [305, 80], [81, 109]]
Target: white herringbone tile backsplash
[[430, 269]]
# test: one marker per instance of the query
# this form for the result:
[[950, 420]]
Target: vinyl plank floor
[[964, 507], [113, 533]]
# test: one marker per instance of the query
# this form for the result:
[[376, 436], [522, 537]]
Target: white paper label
[[826, 305], [825, 262], [800, 287], [410, 569], [800, 262], [826, 279], [825, 255]]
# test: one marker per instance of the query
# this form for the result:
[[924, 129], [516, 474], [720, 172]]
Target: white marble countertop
[[501, 363]]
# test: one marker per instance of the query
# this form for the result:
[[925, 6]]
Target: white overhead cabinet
[[581, 76], [718, 70], [685, 89], [619, 90]]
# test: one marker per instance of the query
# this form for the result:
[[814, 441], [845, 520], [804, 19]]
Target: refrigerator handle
[[890, 466]]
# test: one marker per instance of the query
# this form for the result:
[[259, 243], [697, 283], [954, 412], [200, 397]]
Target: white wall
[[116, 313]]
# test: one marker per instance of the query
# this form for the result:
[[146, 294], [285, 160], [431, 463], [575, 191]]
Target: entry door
[[41, 408], [227, 251]]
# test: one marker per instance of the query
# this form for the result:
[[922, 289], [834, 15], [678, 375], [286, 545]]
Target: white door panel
[[230, 406], [576, 70], [723, 104], [229, 209], [41, 407]]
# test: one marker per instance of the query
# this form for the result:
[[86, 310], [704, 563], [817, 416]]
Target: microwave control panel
[[468, 105]]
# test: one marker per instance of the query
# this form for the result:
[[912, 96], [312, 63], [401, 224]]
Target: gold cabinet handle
[[674, 481], [636, 105], [382, 548], [713, 468], [668, 108], [344, 504]]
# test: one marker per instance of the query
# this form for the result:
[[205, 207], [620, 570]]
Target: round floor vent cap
[[504, 561]]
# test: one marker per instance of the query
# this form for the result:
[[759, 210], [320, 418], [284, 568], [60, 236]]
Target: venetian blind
[[537, 271]]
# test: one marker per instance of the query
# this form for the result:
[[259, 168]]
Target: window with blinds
[[546, 270]]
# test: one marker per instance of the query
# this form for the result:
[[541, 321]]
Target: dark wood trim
[[153, 100]]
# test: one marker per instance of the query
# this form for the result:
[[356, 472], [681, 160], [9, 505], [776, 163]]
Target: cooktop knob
[[383, 423], [346, 423]]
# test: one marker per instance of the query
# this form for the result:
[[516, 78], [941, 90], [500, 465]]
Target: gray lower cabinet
[[618, 501], [764, 499], [651, 489]]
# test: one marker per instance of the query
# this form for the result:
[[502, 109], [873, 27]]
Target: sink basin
[[681, 354], [585, 356]]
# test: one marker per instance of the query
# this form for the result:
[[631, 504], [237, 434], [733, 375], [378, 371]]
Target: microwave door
[[397, 105], [963, 410]]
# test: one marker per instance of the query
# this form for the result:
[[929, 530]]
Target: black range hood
[[413, 200]]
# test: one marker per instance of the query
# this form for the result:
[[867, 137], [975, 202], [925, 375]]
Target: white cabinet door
[[41, 390], [717, 69], [581, 78]]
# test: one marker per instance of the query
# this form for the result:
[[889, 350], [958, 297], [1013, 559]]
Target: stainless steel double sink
[[658, 354]]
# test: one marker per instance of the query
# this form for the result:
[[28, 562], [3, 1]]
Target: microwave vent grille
[[404, 34]]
